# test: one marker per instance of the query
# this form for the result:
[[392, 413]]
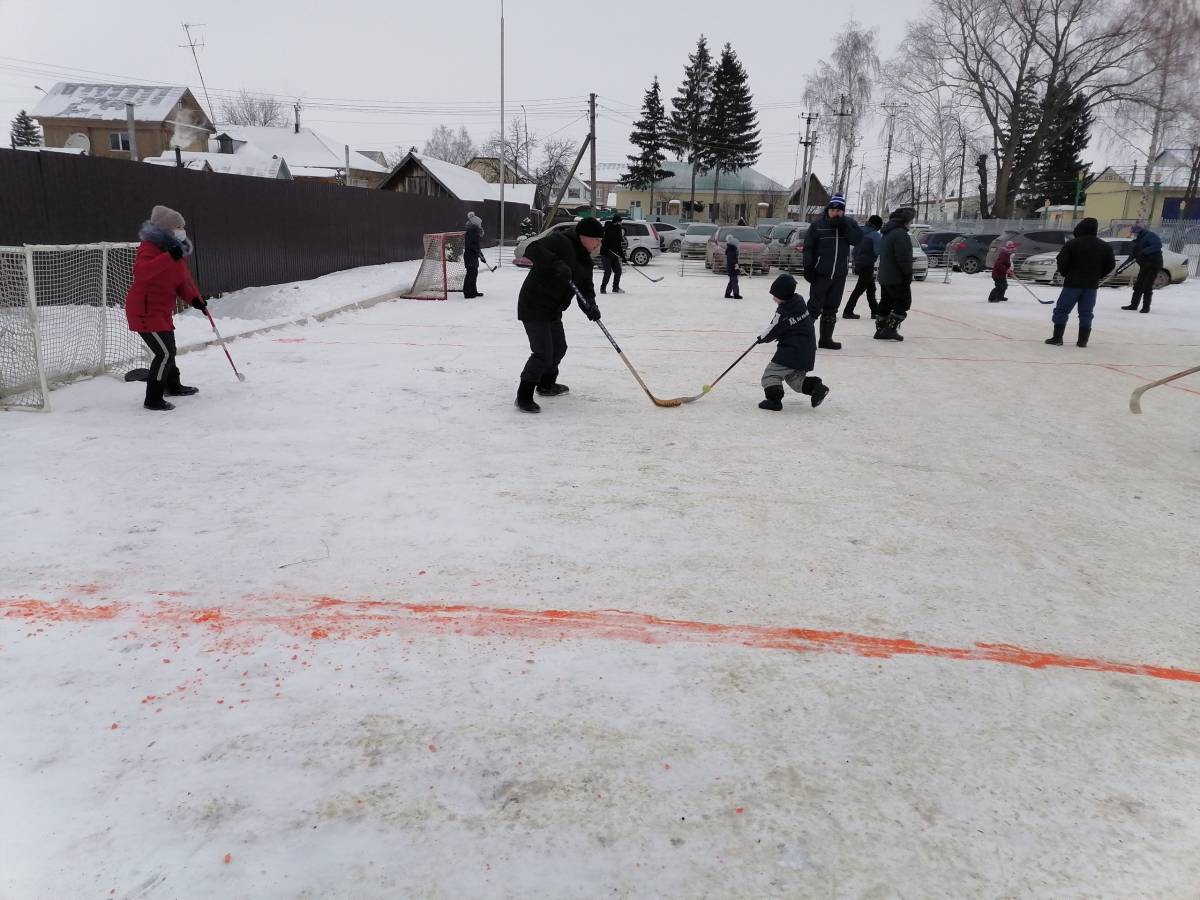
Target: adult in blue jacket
[[1147, 253], [866, 254], [826, 261]]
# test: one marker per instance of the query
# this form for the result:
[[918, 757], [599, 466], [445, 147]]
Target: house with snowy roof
[[430, 177], [92, 117], [746, 193], [310, 155]]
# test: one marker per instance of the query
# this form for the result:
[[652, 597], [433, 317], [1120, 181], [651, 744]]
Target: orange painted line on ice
[[964, 324], [326, 618]]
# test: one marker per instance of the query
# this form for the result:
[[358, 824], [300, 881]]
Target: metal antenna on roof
[[192, 45]]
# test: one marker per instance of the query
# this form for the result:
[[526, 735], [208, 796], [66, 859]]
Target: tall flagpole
[[503, 145]]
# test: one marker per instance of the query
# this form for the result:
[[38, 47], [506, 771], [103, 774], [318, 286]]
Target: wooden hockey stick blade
[[1135, 399]]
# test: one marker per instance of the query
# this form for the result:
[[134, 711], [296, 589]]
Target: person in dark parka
[[1147, 253], [612, 254], [472, 254], [796, 354], [895, 274], [1083, 262], [866, 254], [561, 264], [733, 289], [826, 261]]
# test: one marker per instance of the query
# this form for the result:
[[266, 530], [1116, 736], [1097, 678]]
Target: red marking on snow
[[228, 858], [290, 340], [739, 810], [62, 611], [1113, 367], [114, 727], [367, 619], [422, 572], [89, 589], [923, 312], [318, 633], [432, 748]]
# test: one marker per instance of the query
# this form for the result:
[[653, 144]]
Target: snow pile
[[70, 100]]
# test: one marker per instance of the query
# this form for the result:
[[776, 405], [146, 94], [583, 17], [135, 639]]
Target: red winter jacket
[[1003, 264], [158, 281]]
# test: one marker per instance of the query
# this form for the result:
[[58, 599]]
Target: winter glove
[[592, 311], [810, 274], [176, 251], [200, 304]]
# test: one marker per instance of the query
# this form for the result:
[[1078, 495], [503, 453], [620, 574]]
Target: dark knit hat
[[875, 222], [783, 287], [589, 227], [837, 201]]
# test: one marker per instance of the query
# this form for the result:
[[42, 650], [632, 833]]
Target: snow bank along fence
[[62, 316], [247, 231]]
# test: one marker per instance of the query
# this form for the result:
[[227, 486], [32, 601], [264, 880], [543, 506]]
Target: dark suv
[[1029, 243], [934, 244], [968, 251]]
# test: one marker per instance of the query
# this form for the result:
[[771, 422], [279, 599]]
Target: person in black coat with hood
[[826, 261], [612, 254], [1083, 262], [796, 354], [561, 264], [472, 254], [895, 274]]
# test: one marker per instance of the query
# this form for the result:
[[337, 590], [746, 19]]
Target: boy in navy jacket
[[796, 354]]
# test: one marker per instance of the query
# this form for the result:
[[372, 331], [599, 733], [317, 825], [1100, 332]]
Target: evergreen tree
[[1023, 120], [1057, 171], [649, 136], [687, 136], [731, 127], [24, 131]]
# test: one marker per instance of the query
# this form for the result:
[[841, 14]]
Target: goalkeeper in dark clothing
[[472, 254], [612, 254], [561, 265]]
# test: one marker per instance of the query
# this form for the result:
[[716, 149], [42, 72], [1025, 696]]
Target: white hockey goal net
[[442, 269], [62, 317]]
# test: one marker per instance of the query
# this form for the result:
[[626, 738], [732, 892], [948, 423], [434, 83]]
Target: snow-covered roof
[[72, 151], [71, 100], [303, 150], [256, 165], [195, 165], [467, 184]]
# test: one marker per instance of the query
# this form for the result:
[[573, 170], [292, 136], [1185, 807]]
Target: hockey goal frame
[[428, 273]]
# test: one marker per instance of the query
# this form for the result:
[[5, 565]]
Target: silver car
[[694, 243], [1043, 267]]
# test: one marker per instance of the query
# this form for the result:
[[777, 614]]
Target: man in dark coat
[[561, 264], [733, 289], [472, 254], [866, 253], [796, 354], [895, 274], [612, 254], [1147, 253], [826, 261], [1083, 263]]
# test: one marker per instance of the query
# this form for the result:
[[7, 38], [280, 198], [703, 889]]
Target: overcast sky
[[397, 69]]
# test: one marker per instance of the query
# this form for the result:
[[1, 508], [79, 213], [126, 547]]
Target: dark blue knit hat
[[837, 201], [783, 287]]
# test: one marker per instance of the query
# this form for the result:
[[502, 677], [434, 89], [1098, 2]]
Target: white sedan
[[1043, 267]]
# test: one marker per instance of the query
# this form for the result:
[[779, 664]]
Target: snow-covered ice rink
[[358, 628]]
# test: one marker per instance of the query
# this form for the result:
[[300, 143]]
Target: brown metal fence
[[247, 231]]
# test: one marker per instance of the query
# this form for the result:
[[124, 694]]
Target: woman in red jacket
[[160, 277]]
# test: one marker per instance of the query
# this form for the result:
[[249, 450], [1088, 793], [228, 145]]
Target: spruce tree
[[731, 126], [1056, 174], [649, 136], [24, 131], [687, 137]]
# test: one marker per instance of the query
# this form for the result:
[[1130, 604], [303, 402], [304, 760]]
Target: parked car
[[641, 240], [1029, 243], [670, 236], [934, 244], [1043, 267], [782, 235], [967, 252], [752, 250], [764, 231], [694, 243]]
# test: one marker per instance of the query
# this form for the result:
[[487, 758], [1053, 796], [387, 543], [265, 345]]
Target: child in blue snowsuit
[[796, 354]]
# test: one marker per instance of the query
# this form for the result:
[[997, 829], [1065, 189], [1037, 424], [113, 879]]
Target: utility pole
[[887, 166], [809, 156], [131, 125], [503, 146], [192, 45], [528, 149], [296, 109], [841, 114], [928, 188], [592, 143]]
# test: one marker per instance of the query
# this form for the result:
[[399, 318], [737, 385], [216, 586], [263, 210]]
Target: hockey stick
[[676, 401], [221, 341], [709, 387], [644, 275], [485, 264], [1135, 399], [1031, 293]]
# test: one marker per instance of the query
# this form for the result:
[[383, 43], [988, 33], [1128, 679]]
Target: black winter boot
[[525, 398], [888, 330], [827, 342], [553, 389], [815, 388], [154, 397], [1133, 303], [175, 388], [1146, 305], [774, 398], [1056, 340], [1084, 334]]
